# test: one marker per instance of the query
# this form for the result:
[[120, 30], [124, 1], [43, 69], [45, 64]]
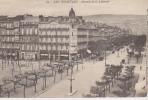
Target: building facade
[[52, 38], [28, 37], [9, 39]]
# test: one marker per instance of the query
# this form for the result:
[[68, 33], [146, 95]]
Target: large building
[[65, 37], [28, 37], [55, 38], [9, 38]]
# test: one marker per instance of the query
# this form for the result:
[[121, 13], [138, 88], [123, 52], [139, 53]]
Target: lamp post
[[24, 91], [72, 50], [105, 55], [2, 60], [105, 51], [77, 62], [71, 77], [18, 59], [71, 80], [82, 61], [147, 53]]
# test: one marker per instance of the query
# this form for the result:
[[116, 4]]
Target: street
[[83, 79]]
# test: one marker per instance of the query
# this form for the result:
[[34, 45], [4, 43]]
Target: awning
[[88, 51], [9, 54], [44, 54], [130, 50], [136, 53], [64, 55]]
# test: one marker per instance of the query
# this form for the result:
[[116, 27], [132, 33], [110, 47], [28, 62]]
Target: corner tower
[[71, 13]]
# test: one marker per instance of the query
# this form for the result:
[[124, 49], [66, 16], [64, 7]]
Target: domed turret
[[72, 13]]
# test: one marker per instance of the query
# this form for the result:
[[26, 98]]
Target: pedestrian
[[143, 78], [140, 67]]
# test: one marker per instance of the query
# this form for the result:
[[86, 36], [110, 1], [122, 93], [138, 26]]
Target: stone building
[[9, 38], [51, 38]]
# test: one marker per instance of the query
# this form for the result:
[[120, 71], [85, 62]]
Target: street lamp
[[105, 50], [105, 56], [71, 65], [71, 80], [82, 60]]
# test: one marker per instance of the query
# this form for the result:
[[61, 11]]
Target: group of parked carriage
[[118, 76]]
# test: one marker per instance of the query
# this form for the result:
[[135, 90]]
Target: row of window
[[9, 45], [10, 39], [82, 36], [28, 31], [31, 47], [43, 47], [42, 40], [82, 40], [59, 47], [34, 39], [9, 32], [54, 36], [58, 33], [53, 26], [82, 33], [28, 23], [28, 39], [9, 24], [54, 40]]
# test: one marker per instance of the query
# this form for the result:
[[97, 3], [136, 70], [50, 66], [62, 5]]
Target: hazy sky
[[36, 7]]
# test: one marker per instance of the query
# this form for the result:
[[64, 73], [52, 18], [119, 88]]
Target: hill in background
[[137, 23]]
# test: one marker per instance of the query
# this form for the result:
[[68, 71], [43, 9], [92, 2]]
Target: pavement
[[141, 84]]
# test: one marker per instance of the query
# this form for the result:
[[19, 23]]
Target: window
[[49, 47], [54, 40], [40, 47], [43, 33], [53, 33], [72, 33], [48, 32], [44, 47], [22, 31], [30, 47], [54, 47], [41, 40], [22, 47], [61, 47], [51, 39], [44, 39], [61, 39], [48, 39], [36, 31], [27, 31], [66, 47], [31, 31]]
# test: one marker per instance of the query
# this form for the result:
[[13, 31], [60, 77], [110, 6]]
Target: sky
[[50, 8]]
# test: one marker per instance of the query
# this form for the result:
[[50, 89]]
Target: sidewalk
[[141, 84]]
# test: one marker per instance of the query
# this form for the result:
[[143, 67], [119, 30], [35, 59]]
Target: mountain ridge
[[137, 23]]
